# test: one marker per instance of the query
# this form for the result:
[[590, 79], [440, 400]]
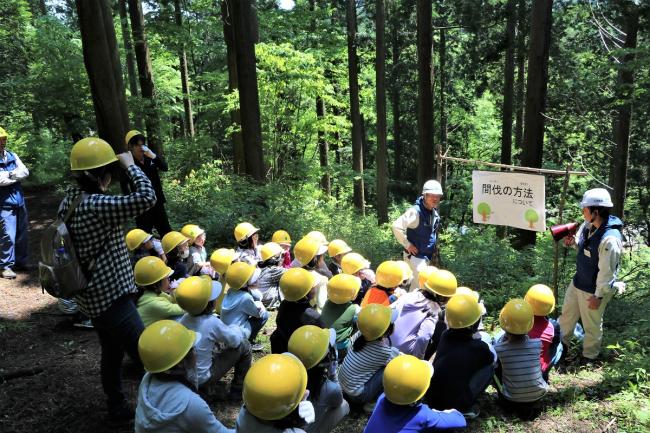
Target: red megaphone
[[560, 231]]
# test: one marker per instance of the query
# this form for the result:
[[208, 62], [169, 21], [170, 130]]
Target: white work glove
[[306, 411], [148, 151], [157, 246]]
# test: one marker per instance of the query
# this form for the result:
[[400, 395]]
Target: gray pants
[[239, 357]]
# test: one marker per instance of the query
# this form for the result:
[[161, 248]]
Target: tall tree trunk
[[239, 161], [130, 62], [323, 148], [426, 157], [540, 41], [382, 153], [521, 73], [395, 93], [625, 90], [508, 93], [355, 113], [185, 84], [442, 54], [245, 21], [146, 76], [102, 61]]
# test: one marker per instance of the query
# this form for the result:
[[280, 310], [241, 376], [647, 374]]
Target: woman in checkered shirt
[[96, 229]]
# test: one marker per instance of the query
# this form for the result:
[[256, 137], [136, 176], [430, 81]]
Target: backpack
[[59, 270]]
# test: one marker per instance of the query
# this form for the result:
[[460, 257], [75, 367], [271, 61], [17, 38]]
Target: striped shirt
[[359, 367], [96, 229], [521, 372]]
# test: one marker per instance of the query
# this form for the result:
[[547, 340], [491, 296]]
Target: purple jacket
[[416, 321]]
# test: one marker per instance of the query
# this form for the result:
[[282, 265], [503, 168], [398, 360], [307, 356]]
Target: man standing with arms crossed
[[417, 230]]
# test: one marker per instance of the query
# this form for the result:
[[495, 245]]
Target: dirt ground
[[49, 371]]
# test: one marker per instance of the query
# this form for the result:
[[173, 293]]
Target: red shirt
[[543, 329]]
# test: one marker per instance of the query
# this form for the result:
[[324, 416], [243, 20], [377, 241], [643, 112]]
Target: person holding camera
[[599, 241]]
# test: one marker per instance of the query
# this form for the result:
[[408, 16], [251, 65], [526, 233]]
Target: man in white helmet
[[599, 245], [417, 229]]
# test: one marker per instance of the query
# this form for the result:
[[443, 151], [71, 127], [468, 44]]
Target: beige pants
[[416, 264], [576, 306]]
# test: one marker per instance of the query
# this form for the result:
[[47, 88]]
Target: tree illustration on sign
[[484, 210], [532, 217]]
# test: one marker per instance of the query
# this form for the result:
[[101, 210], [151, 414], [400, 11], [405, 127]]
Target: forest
[[330, 115]]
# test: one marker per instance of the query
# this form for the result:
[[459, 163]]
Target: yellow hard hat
[[149, 270], [407, 272], [239, 274], [311, 343], [336, 247], [3, 133], [274, 386], [130, 135], [424, 274], [406, 379], [374, 320], [221, 259], [163, 344], [462, 311], [192, 231], [91, 152], [194, 293], [517, 317], [541, 298], [295, 283], [281, 237], [442, 282], [467, 291], [389, 274], [270, 249], [171, 240], [244, 230], [343, 288], [307, 248], [136, 237], [319, 236], [353, 263]]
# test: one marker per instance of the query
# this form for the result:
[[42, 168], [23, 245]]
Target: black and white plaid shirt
[[97, 225]]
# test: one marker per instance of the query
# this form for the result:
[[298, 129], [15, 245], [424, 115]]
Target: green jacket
[[341, 317], [154, 307]]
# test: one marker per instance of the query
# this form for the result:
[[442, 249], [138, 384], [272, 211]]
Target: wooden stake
[[514, 167]]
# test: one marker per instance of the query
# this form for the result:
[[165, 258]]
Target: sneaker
[[8, 273], [85, 324], [472, 413], [369, 407], [257, 347]]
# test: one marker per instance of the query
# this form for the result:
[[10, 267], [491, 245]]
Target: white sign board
[[509, 199]]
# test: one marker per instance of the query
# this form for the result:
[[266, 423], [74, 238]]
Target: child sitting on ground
[[275, 397], [310, 253], [298, 289], [176, 247], [400, 409], [271, 270], [167, 397], [314, 346], [142, 244], [282, 238], [519, 374], [463, 365], [362, 369], [442, 284], [152, 278], [386, 291], [542, 300], [339, 312], [355, 264], [239, 307], [247, 237], [197, 262], [337, 249], [221, 347]]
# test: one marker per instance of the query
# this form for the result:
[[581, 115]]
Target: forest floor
[[58, 387]]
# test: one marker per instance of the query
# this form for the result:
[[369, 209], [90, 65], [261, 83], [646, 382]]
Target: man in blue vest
[[599, 245], [417, 229], [13, 213]]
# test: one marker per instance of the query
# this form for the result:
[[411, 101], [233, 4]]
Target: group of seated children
[[345, 337]]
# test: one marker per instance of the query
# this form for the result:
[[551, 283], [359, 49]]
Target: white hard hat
[[432, 187], [596, 197]]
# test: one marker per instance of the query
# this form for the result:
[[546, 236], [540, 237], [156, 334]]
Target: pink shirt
[[543, 329]]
